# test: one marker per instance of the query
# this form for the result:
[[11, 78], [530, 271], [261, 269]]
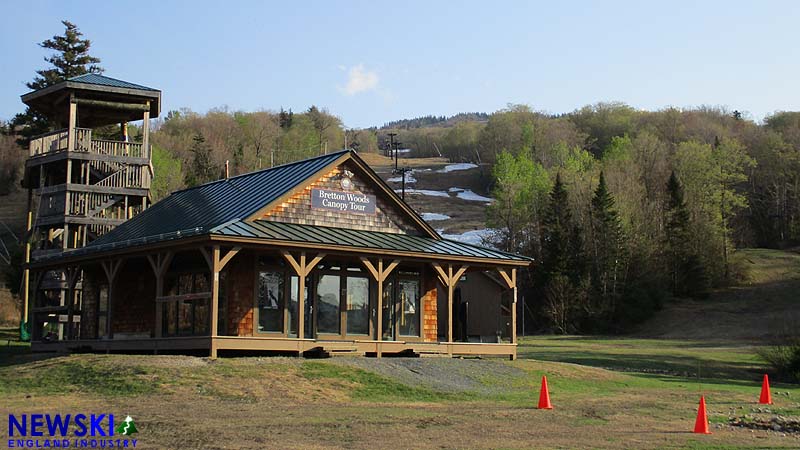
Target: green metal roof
[[198, 209], [372, 240], [220, 208], [102, 80]]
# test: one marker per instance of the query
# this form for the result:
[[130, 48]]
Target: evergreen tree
[[606, 270], [285, 118], [556, 227], [676, 229], [561, 276], [71, 59], [203, 168]]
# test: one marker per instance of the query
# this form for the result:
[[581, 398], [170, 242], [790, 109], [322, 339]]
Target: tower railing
[[58, 141]]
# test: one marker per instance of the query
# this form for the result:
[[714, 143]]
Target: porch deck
[[281, 345]]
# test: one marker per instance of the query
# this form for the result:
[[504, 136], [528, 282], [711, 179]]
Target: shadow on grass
[[14, 352], [636, 341], [678, 365]]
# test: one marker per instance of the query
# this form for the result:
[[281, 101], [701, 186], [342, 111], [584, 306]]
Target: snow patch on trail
[[474, 237], [425, 192], [467, 194], [459, 166], [430, 217]]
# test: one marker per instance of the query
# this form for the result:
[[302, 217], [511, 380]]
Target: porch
[[246, 345]]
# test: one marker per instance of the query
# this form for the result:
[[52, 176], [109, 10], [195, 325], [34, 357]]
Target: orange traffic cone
[[766, 396], [544, 395], [701, 424]]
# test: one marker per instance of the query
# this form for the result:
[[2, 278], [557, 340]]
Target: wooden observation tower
[[84, 178]]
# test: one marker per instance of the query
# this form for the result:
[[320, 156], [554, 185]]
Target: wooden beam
[[72, 274], [380, 273], [160, 264], [302, 268], [371, 268], [511, 280], [215, 268], [216, 264], [514, 313], [449, 279], [442, 274], [113, 105], [293, 262], [111, 268], [146, 131], [208, 257], [228, 256], [27, 271], [73, 122]]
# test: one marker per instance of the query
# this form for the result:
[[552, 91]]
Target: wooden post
[[302, 268], [146, 132], [111, 268], [450, 279], [72, 275], [214, 297], [511, 281], [73, 122], [65, 236], [216, 264], [380, 273], [160, 264], [26, 294]]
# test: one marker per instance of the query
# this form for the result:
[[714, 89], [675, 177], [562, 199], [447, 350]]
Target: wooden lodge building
[[316, 256]]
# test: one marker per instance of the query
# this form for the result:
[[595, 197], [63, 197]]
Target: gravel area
[[440, 374]]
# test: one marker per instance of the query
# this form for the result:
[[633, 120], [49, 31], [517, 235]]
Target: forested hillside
[[621, 207], [624, 207]]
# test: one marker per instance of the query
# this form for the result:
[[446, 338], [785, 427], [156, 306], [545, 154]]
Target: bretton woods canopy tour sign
[[341, 201]]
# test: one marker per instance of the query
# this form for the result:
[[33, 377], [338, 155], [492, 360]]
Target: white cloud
[[360, 80]]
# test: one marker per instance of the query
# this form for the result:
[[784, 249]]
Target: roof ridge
[[242, 175], [78, 78]]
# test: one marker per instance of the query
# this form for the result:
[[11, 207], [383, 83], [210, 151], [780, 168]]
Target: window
[[270, 301]]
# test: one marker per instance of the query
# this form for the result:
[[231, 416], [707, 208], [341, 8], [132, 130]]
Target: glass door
[[408, 300], [357, 316], [328, 304], [294, 289], [388, 312]]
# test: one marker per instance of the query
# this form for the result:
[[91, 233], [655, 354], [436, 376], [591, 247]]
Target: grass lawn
[[685, 358], [606, 392]]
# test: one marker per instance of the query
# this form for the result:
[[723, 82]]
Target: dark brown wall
[[239, 290], [484, 296], [91, 282], [133, 298]]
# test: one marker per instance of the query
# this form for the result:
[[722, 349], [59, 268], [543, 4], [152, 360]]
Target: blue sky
[[371, 62]]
